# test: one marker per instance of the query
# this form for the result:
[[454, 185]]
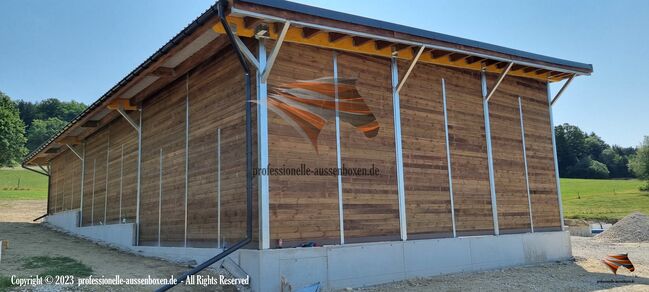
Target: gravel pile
[[632, 228]]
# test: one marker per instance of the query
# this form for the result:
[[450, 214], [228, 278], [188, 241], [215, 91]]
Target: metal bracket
[[565, 85], [500, 79], [412, 66], [45, 170], [74, 151], [275, 52], [246, 52], [128, 119]]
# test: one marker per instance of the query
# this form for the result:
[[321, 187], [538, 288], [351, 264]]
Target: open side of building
[[374, 145]]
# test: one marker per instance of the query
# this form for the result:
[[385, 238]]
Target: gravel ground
[[582, 274], [632, 228]]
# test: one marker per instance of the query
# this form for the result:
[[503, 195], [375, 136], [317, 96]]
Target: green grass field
[[33, 186], [602, 199], [606, 199]]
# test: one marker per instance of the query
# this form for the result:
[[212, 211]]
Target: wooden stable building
[[439, 145]]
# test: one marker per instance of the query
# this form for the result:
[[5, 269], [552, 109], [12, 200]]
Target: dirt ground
[[585, 273], [27, 239]]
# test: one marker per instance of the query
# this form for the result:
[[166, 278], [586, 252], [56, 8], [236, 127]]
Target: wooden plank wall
[[538, 137], [163, 167], [65, 182], [217, 101], [122, 171], [509, 166], [424, 153], [95, 178], [302, 208], [472, 198], [370, 203]]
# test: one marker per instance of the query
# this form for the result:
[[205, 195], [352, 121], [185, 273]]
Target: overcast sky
[[79, 49]]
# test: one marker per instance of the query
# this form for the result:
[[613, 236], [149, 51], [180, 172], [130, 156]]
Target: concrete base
[[350, 265], [357, 265], [123, 236]]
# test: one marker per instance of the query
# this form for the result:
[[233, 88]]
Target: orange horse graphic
[[614, 261], [308, 105]]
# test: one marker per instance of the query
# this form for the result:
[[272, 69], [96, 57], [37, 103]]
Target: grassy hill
[[602, 199], [22, 184]]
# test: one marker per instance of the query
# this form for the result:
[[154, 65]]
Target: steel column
[[139, 180], [399, 153], [83, 178], [490, 160], [338, 157], [94, 179], [262, 143], [121, 182], [186, 151], [218, 187], [106, 189], [554, 152], [527, 179], [448, 158], [160, 199]]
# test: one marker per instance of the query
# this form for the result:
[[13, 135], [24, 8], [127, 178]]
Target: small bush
[[5, 283], [645, 187]]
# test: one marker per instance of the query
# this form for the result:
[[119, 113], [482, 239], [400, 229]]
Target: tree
[[588, 168], [639, 163], [594, 145], [571, 146], [12, 133], [41, 130]]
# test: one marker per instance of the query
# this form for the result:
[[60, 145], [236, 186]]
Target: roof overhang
[[307, 25]]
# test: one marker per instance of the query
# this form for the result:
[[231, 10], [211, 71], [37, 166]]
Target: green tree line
[[25, 125]]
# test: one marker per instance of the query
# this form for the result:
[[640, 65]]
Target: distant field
[[602, 199], [22, 184]]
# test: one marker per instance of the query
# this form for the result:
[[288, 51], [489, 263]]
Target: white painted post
[[448, 159], [338, 156], [492, 181], [262, 142], [403, 224], [527, 179], [554, 152]]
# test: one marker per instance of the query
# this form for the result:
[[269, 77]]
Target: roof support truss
[[500, 80], [412, 66], [565, 85], [74, 151], [275, 52]]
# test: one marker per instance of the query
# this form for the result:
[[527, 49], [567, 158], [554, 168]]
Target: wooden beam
[[163, 72], [359, 41], [308, 32], [474, 59], [380, 45], [436, 54], [252, 22], [530, 69], [517, 67], [399, 47], [90, 124], [52, 150], [72, 140], [121, 103], [335, 37], [457, 57]]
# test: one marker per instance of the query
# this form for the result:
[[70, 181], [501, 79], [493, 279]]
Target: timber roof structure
[[303, 24]]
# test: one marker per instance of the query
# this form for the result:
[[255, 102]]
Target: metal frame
[[490, 160], [554, 152], [262, 143], [218, 187], [341, 214], [273, 54], [527, 179], [448, 159], [81, 157], [241, 12], [139, 180], [160, 199], [94, 181], [565, 85], [412, 66], [186, 150], [121, 181], [106, 190], [401, 190]]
